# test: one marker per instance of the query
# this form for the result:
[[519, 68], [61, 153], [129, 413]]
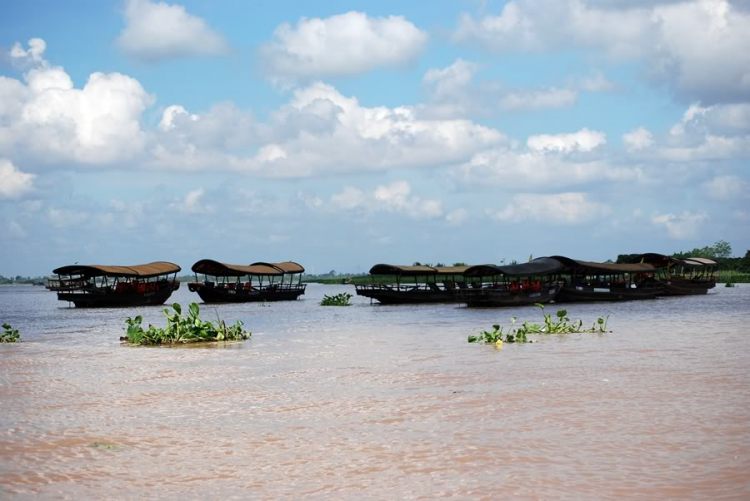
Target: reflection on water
[[378, 402]]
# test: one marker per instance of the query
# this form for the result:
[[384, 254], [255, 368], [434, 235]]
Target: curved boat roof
[[139, 270], [284, 267], [700, 260], [539, 266], [605, 267], [416, 271], [217, 269], [451, 270], [660, 260]]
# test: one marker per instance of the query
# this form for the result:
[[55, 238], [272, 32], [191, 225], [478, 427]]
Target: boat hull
[[388, 295], [685, 288], [111, 299], [571, 294], [490, 297], [223, 295]]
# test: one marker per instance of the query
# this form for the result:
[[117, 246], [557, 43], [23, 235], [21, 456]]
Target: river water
[[378, 402]]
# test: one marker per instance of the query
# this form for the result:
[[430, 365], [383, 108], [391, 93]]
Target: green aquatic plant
[[183, 329], [561, 325], [9, 334], [337, 300], [729, 284], [104, 446]]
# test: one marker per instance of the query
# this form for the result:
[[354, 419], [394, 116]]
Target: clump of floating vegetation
[[337, 300], [729, 284], [183, 329], [9, 334], [561, 325]]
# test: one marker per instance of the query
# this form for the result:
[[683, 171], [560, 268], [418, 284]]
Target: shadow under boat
[[103, 286], [234, 283]]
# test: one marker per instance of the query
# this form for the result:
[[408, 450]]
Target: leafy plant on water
[[9, 334], [337, 300], [559, 325], [183, 329]]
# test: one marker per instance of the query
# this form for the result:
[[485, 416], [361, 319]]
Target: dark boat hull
[[111, 299], [498, 298], [685, 288], [387, 295], [571, 294], [222, 295]]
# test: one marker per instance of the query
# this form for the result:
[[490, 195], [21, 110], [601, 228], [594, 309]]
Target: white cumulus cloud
[[561, 208], [321, 131], [534, 99], [583, 140], [156, 31], [522, 169], [55, 122], [395, 197], [638, 139], [685, 226], [726, 188], [456, 217], [344, 44], [698, 48], [13, 182], [452, 91], [191, 203]]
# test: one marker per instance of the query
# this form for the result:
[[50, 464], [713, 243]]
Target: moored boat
[[92, 286], [413, 284], [591, 281], [234, 283], [681, 276], [534, 282]]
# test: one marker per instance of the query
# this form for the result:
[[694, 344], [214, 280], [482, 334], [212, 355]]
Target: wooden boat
[[234, 283], [413, 284], [537, 281], [99, 286], [681, 277], [590, 281]]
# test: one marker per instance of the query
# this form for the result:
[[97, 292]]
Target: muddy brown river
[[378, 402]]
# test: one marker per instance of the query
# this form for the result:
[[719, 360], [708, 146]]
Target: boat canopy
[[139, 270], [660, 260], [599, 268], [451, 270], [217, 269], [539, 266], [701, 261], [287, 267], [416, 271]]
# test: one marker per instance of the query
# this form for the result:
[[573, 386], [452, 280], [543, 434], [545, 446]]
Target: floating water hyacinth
[[562, 325], [9, 334], [337, 300], [183, 329]]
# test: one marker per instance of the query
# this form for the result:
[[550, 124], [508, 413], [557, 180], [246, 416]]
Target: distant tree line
[[18, 279], [721, 252]]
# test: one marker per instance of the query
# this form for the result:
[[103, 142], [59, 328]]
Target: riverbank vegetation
[[559, 325], [183, 329], [19, 280], [337, 300], [9, 334]]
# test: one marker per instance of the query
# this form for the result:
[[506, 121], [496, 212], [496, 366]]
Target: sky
[[345, 134]]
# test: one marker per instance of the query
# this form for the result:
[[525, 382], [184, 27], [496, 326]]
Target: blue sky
[[343, 134]]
